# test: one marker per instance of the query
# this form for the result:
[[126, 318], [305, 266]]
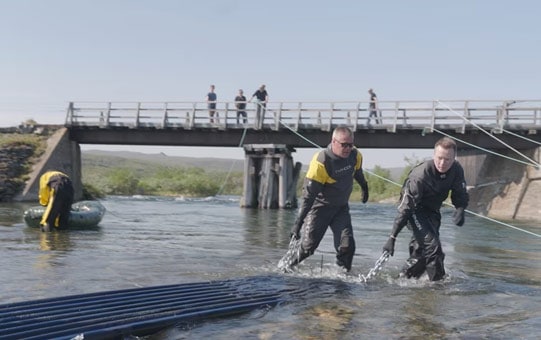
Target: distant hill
[[128, 158]]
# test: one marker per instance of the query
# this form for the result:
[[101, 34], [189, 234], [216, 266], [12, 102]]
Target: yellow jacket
[[44, 189]]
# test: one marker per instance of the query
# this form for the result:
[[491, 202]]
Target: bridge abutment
[[504, 188], [61, 154]]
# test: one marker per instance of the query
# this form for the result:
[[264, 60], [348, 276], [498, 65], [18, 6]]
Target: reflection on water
[[58, 241], [11, 213], [492, 289]]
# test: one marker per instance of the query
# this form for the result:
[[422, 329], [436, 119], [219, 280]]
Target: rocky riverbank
[[20, 147], [14, 162]]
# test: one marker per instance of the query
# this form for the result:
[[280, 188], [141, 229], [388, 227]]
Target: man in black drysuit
[[427, 186], [327, 188]]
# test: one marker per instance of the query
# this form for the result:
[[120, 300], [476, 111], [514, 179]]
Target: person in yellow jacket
[[56, 193]]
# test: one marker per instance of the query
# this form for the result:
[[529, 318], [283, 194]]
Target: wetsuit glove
[[458, 217], [365, 193], [389, 245]]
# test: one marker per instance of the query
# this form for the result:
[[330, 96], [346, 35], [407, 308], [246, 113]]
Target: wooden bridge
[[399, 124], [272, 131]]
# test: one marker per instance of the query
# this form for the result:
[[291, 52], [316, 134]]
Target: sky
[[57, 51]]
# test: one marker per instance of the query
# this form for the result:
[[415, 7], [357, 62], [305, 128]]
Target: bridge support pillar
[[270, 178]]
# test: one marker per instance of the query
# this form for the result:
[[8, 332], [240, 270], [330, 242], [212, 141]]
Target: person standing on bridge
[[373, 107], [56, 193], [240, 103], [211, 100], [262, 98], [325, 202], [423, 192]]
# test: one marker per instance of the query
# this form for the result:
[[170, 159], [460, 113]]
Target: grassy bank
[[116, 175], [137, 174]]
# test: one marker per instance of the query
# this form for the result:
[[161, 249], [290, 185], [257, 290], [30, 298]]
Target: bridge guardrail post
[[226, 114], [356, 116], [500, 116], [257, 114], [192, 116], [137, 115], [69, 115], [164, 120], [108, 114], [329, 126], [467, 115], [299, 116], [278, 117], [395, 123], [433, 119]]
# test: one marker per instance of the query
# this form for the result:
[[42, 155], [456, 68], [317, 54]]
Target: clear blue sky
[[53, 52]]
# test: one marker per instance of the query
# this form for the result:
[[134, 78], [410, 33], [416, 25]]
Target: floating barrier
[[138, 311]]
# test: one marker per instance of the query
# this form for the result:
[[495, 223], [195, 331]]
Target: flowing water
[[492, 291]]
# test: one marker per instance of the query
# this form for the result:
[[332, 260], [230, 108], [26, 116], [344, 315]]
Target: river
[[492, 290]]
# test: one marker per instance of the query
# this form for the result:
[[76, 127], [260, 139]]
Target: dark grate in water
[[138, 311]]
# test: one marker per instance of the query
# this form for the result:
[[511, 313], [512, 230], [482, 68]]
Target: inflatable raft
[[83, 214]]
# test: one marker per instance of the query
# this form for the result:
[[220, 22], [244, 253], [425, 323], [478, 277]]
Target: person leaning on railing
[[262, 98]]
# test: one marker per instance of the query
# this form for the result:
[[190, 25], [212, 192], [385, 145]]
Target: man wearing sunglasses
[[327, 188]]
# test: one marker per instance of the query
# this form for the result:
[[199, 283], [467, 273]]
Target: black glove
[[389, 246], [458, 217], [364, 188], [365, 195]]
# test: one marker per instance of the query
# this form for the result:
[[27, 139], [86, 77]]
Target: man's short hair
[[342, 130], [446, 143]]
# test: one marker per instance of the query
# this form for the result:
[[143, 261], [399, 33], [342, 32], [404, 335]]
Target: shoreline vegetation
[[132, 173]]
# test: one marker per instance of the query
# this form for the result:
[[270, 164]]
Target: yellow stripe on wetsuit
[[317, 171]]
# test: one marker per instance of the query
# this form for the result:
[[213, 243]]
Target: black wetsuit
[[423, 193], [327, 188]]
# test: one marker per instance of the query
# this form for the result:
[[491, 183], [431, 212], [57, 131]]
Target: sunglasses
[[345, 145]]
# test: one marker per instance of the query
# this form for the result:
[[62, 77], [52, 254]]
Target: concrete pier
[[270, 178]]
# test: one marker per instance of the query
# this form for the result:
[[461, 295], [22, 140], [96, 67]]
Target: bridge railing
[[389, 115]]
